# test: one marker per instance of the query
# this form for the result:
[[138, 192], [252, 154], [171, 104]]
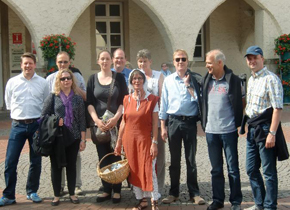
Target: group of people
[[150, 108]]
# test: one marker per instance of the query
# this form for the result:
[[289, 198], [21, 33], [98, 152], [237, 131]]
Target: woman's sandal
[[154, 205], [139, 206]]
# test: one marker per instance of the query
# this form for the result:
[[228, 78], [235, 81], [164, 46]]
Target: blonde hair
[[182, 51], [57, 88]]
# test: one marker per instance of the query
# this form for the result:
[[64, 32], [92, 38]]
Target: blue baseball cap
[[254, 50]]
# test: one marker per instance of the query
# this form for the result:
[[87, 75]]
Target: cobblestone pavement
[[91, 182]]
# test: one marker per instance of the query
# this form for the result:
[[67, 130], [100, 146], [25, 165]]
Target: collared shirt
[[264, 90], [80, 81], [24, 97], [166, 72], [126, 73], [175, 98]]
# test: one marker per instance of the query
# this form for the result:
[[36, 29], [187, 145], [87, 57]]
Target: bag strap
[[111, 89], [52, 104]]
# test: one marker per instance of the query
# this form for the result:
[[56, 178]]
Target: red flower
[[67, 47], [50, 44], [55, 41], [56, 47]]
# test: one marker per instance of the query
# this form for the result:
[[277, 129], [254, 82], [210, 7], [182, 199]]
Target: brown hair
[[28, 55]]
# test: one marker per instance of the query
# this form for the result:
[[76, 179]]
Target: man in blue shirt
[[164, 70], [180, 102], [119, 60]]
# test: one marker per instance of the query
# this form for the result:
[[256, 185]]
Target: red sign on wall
[[17, 38]]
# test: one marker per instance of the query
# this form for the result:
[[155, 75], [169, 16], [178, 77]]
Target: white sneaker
[[255, 207], [78, 191]]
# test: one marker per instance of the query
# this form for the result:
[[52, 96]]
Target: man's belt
[[27, 121], [184, 118]]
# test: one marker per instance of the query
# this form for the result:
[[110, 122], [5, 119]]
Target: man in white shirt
[[63, 62], [24, 96]]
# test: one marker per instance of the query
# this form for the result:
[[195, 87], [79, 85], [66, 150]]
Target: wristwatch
[[273, 133], [188, 86], [83, 140]]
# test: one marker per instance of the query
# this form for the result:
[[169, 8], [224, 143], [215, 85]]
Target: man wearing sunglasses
[[222, 112], [63, 62], [180, 102]]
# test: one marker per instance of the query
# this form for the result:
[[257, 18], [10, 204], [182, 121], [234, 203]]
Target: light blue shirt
[[126, 73], [166, 72], [175, 98]]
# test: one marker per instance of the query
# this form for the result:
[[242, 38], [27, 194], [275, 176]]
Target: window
[[109, 26], [199, 46]]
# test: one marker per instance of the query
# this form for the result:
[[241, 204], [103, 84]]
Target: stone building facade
[[161, 26]]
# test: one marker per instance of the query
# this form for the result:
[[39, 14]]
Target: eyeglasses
[[62, 62], [65, 78], [178, 59]]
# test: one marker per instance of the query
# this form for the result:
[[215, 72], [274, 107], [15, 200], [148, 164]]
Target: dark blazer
[[235, 95], [266, 118]]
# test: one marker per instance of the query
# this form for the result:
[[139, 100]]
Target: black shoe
[[76, 201], [215, 206], [102, 199], [116, 200], [54, 203]]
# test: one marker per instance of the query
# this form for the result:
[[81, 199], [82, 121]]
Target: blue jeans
[[185, 130], [257, 154], [229, 143], [18, 135]]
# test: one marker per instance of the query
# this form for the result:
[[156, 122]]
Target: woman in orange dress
[[138, 135]]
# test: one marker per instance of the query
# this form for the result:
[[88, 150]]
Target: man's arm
[[276, 118]]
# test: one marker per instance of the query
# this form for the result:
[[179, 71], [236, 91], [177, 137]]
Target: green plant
[[52, 44], [282, 44], [284, 67]]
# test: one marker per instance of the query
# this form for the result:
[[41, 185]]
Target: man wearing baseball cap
[[264, 107]]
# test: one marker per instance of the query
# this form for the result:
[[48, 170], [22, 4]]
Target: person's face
[[28, 66], [105, 60], [212, 65], [62, 62], [137, 81], [255, 62], [180, 62], [65, 81], [164, 67], [144, 63], [119, 60]]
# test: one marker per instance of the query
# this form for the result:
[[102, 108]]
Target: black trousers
[[104, 149], [178, 130], [71, 153]]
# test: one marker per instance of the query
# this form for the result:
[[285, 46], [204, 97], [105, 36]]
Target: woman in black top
[[70, 109], [98, 89]]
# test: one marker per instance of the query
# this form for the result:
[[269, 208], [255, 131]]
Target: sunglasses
[[65, 78], [62, 62], [178, 59]]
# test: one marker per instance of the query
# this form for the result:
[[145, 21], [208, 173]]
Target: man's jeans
[[216, 144], [257, 154], [18, 135], [185, 130]]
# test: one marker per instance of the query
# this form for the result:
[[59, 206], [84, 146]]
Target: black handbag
[[98, 136]]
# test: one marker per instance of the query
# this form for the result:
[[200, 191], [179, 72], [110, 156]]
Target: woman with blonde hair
[[69, 107]]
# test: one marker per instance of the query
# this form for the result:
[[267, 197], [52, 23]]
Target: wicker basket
[[114, 177]]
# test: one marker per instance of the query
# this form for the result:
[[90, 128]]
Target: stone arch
[[47, 10]]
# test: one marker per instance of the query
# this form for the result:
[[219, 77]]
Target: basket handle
[[111, 153]]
